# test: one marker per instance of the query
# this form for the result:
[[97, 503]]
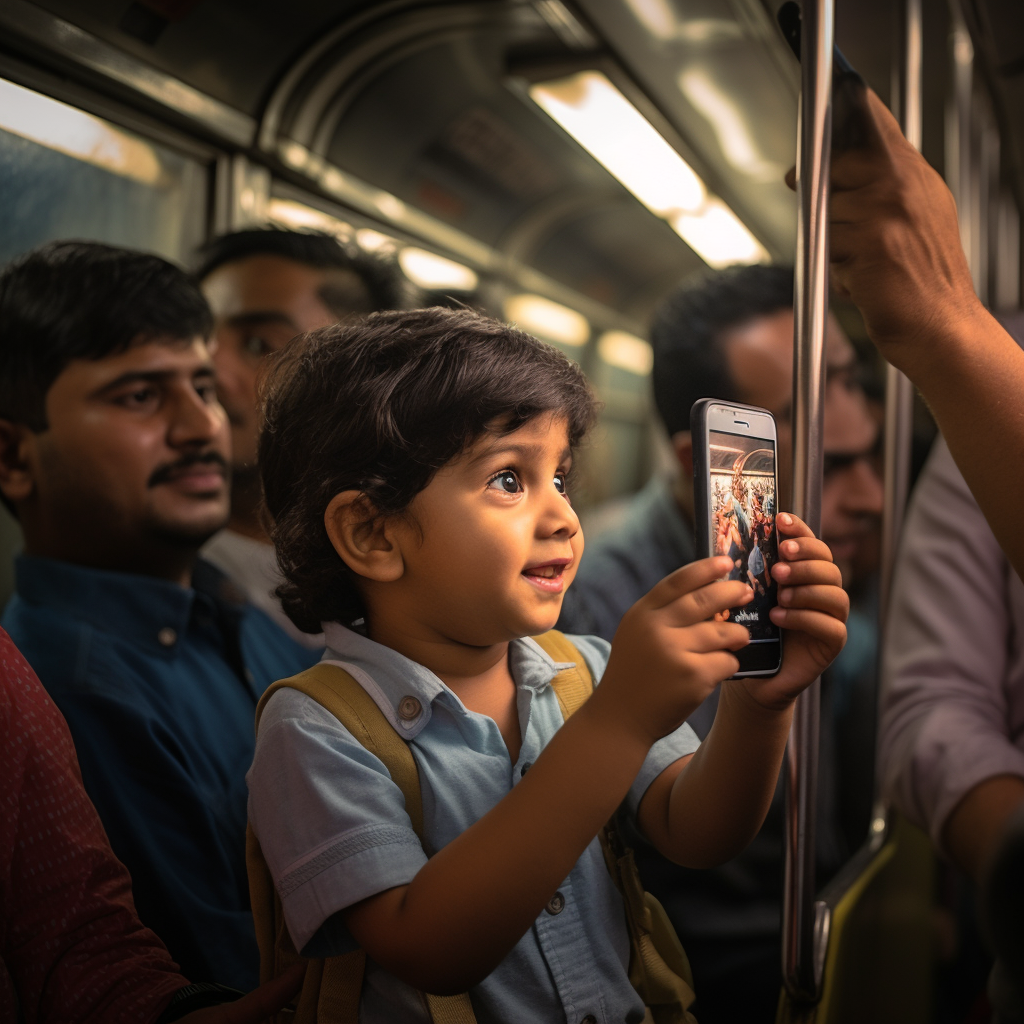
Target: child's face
[[492, 543]]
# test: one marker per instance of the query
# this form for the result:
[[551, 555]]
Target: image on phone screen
[[743, 505]]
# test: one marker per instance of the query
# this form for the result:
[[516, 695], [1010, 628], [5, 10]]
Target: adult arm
[[72, 942], [946, 755], [896, 251]]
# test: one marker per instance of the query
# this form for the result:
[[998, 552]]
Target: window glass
[[67, 174]]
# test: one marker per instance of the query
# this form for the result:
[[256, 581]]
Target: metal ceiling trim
[[323, 111], [396, 35], [271, 123], [71, 44], [388, 210]]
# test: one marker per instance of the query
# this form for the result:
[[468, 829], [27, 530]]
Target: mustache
[[163, 474]]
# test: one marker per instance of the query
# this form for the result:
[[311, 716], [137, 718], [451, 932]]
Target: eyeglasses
[[836, 462]]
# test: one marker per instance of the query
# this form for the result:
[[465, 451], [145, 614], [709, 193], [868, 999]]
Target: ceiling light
[[548, 320], [718, 236], [620, 138], [626, 351], [299, 216], [70, 131], [429, 270], [376, 241]]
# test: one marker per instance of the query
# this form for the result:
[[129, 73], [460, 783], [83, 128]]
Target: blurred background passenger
[[265, 286], [114, 456], [729, 334], [951, 738]]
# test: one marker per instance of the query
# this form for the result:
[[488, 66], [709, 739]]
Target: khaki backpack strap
[[339, 693], [572, 686], [334, 689]]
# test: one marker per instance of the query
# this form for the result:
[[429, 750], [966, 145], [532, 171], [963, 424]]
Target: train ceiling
[[427, 103]]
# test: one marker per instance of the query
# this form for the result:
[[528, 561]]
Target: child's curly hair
[[378, 406]]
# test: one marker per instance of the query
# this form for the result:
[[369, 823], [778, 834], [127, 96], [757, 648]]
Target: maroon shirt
[[72, 949]]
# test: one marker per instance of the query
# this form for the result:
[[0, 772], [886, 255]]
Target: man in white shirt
[[265, 286]]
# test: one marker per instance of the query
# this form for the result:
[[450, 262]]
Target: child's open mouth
[[548, 576]]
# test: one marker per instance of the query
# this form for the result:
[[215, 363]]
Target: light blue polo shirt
[[333, 829]]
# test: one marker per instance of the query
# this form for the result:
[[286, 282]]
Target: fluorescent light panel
[[300, 216], [626, 351], [548, 320], [428, 270], [620, 138]]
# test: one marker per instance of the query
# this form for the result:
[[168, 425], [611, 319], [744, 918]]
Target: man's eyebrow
[[258, 317], [149, 377]]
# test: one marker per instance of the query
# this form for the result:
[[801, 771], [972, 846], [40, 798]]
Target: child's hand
[[672, 648], [812, 610]]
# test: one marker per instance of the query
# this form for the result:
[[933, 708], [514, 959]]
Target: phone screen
[[743, 505]]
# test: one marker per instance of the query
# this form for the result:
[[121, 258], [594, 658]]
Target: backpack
[[658, 967]]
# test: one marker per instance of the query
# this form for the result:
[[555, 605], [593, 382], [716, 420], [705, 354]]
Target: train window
[[67, 174]]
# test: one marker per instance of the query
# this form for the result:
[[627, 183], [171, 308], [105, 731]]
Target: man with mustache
[[114, 455]]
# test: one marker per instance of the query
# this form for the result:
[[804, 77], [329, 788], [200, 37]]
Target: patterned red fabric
[[72, 949]]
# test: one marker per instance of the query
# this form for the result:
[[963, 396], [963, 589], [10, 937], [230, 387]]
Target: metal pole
[[800, 916], [899, 392]]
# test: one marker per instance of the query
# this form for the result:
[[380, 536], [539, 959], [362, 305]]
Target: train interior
[[561, 165]]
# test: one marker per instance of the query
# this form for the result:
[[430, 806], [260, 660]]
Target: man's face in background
[[760, 358], [259, 304]]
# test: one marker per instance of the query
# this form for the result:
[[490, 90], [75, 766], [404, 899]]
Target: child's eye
[[560, 483], [505, 481]]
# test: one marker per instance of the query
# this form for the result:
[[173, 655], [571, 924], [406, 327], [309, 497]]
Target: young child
[[415, 465]]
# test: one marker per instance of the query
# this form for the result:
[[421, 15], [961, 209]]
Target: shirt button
[[408, 708], [526, 767], [556, 904], [168, 637]]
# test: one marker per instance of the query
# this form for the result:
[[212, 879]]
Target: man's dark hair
[[689, 361], [378, 286], [84, 300], [379, 406]]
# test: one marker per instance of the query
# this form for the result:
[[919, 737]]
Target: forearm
[[973, 380], [472, 901], [971, 831], [718, 803]]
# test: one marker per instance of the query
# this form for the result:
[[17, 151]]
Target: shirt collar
[[145, 610], [405, 691]]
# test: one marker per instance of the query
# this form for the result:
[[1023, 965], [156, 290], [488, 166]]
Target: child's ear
[[362, 538]]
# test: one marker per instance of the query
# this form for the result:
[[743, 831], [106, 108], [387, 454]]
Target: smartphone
[[735, 488], [849, 91]]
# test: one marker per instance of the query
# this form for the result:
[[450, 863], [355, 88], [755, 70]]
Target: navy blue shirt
[[159, 685]]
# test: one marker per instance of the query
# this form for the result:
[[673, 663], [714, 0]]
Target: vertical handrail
[[899, 392], [801, 962]]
